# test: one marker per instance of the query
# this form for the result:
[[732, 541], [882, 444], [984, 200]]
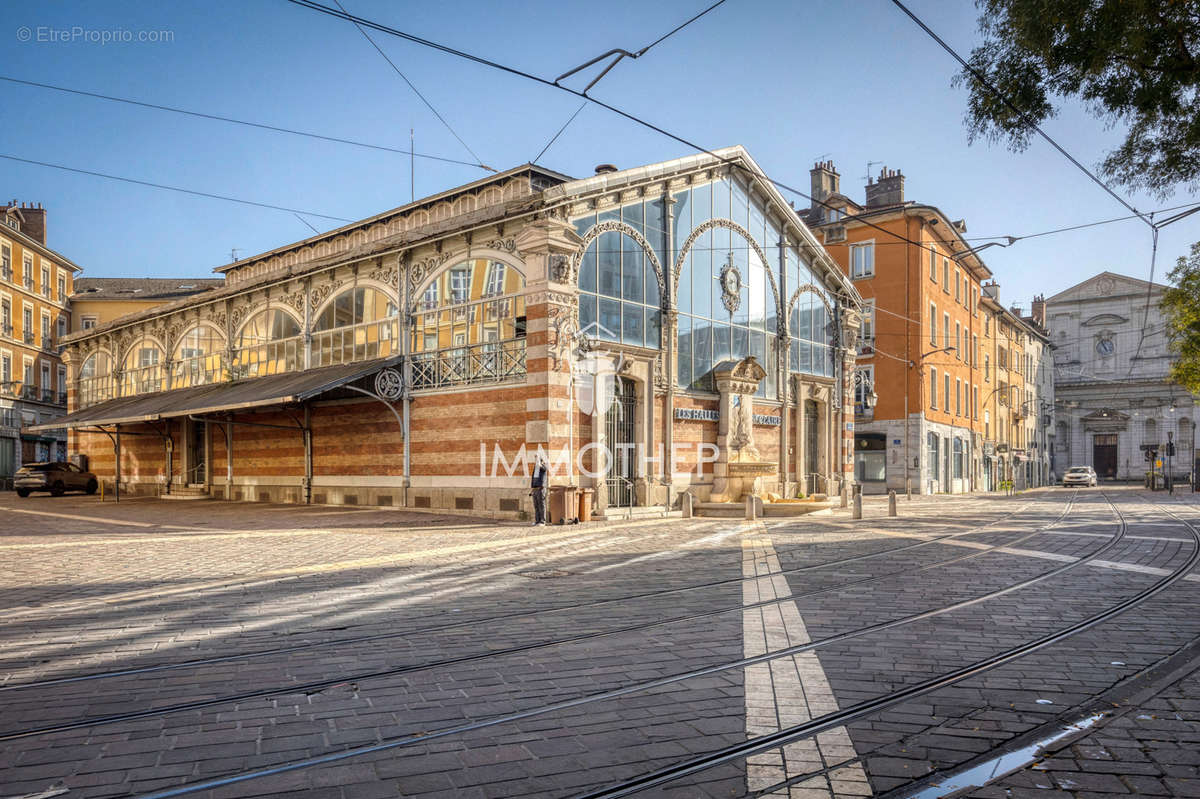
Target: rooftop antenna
[[820, 158], [870, 164], [233, 251], [412, 164]]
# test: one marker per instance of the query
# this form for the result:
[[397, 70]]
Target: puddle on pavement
[[983, 773]]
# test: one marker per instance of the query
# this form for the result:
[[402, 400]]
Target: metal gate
[[618, 427]]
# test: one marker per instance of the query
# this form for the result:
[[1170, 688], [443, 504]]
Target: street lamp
[[925, 355]]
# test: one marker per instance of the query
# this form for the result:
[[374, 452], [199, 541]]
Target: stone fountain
[[739, 469]]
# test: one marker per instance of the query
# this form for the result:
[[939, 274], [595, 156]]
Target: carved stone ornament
[[322, 292], [218, 319], [389, 384], [296, 300], [508, 245], [564, 321], [237, 315], [731, 286], [559, 267], [613, 226], [661, 379]]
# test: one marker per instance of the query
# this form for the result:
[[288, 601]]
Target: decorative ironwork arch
[[728, 224], [271, 306], [382, 288], [614, 226], [425, 275], [178, 338]]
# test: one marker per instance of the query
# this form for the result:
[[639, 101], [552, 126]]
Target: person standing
[[537, 485]]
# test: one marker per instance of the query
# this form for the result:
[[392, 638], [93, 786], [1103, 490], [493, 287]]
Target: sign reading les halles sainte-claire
[[704, 415]]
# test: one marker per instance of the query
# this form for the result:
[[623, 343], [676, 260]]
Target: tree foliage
[[1181, 304], [1133, 63]]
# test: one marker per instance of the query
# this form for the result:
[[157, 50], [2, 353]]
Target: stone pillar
[[739, 468], [851, 321], [552, 320]]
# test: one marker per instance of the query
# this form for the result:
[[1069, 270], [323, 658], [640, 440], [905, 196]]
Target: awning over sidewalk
[[258, 392]]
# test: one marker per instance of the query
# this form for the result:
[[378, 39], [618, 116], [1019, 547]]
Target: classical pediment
[[1106, 414], [1102, 286]]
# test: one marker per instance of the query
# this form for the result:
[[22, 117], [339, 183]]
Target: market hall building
[[423, 356]]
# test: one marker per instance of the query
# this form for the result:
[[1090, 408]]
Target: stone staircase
[[186, 492]]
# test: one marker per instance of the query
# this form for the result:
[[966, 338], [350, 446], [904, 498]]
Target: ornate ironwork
[[389, 384], [490, 362]]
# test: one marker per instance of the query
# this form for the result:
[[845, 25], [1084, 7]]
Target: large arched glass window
[[269, 343], [199, 358], [95, 381], [468, 326], [619, 298], [811, 331], [360, 324], [141, 373]]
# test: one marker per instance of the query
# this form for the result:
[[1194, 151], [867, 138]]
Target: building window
[[95, 383], [62, 326], [862, 260], [5, 372], [6, 327], [975, 402], [933, 324], [360, 324], [933, 388], [946, 275], [27, 319], [199, 358], [946, 389], [269, 343], [27, 272], [934, 454], [620, 300], [6, 262], [45, 281], [987, 326], [987, 368], [958, 350], [464, 339], [867, 334], [933, 256], [865, 379], [958, 286], [88, 322], [975, 349], [946, 330], [62, 288], [957, 397], [958, 458]]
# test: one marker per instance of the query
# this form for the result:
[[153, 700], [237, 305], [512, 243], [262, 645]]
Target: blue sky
[[792, 81]]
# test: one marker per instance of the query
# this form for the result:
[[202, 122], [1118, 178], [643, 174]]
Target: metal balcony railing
[[361, 342], [6, 273], [269, 358], [29, 337], [29, 392], [6, 330], [48, 343], [492, 362], [48, 395], [62, 398]]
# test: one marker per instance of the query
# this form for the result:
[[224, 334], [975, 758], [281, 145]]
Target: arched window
[[141, 373], [619, 298], [199, 358], [727, 308], [95, 382], [958, 458], [1151, 432], [468, 326], [360, 324], [269, 343]]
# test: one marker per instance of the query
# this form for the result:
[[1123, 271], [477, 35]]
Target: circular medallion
[[389, 384], [1105, 346]]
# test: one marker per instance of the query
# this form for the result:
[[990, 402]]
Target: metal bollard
[[856, 510], [892, 502]]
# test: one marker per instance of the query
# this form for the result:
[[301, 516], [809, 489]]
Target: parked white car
[[1080, 476]]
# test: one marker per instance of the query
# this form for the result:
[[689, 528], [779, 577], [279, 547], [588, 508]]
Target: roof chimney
[[604, 169], [888, 190], [33, 220], [1038, 310], [825, 181], [992, 290]]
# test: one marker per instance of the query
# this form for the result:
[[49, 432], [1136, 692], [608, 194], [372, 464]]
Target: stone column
[[851, 321], [552, 320]]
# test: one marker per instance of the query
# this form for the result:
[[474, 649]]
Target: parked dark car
[[56, 478]]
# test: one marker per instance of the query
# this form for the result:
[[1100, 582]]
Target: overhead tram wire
[[172, 188], [416, 91], [554, 138], [333, 12], [233, 121], [983, 81]]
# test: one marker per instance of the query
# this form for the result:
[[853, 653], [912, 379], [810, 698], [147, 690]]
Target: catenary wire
[[416, 91], [171, 188], [983, 81], [231, 120], [554, 138]]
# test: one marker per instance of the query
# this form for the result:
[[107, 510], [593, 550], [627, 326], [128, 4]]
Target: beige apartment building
[[35, 284]]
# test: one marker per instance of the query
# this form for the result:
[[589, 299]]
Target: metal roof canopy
[[258, 392]]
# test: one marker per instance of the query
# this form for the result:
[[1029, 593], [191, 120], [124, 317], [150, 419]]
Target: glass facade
[[358, 325], [199, 358], [719, 229], [269, 343]]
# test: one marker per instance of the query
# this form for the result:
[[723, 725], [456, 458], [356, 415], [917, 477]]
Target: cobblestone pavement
[[150, 646]]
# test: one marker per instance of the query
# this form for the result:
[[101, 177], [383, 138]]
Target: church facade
[[1113, 396], [423, 357]]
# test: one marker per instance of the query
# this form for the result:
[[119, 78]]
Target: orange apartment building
[[919, 382], [35, 284]]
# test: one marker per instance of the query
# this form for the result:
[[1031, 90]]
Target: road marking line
[[96, 519], [1055, 556], [788, 691], [671, 553]]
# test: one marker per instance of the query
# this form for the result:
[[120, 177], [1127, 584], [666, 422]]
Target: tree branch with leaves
[[1181, 304]]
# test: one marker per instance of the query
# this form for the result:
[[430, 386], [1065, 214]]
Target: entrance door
[[811, 442], [618, 423], [1104, 455], [197, 463]]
